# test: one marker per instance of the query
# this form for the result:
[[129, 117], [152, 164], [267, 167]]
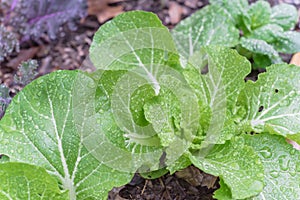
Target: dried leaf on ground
[[103, 9], [24, 55], [296, 59], [175, 12], [195, 177], [192, 175]]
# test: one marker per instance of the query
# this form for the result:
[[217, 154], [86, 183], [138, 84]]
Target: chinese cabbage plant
[[152, 109], [257, 31]]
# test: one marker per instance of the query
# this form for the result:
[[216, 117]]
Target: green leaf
[[23, 181], [139, 43], [235, 8], [175, 109], [148, 54], [284, 15], [121, 43], [154, 174], [107, 119], [226, 66], [207, 26], [40, 122], [261, 47], [163, 112], [268, 33], [129, 145], [245, 24], [259, 13], [288, 42], [295, 138], [260, 61], [282, 166], [174, 114], [272, 102], [237, 164], [237, 12], [181, 163], [128, 43], [218, 90], [223, 193], [134, 40]]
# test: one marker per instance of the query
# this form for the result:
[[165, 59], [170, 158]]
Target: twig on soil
[[145, 185], [164, 188], [167, 194], [180, 187]]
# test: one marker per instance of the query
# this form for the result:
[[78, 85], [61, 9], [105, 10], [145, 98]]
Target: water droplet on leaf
[[40, 81], [285, 102], [292, 173], [20, 150], [257, 186], [298, 166], [293, 151], [91, 85], [260, 175], [235, 154], [274, 174], [235, 166], [266, 152], [284, 162]]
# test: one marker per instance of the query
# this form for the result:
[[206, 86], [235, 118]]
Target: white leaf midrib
[[141, 64], [264, 112], [67, 182], [6, 194]]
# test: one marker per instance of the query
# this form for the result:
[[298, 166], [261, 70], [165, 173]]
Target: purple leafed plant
[[8, 43], [27, 72], [4, 99], [32, 18]]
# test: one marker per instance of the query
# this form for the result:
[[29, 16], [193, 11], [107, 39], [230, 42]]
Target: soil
[[189, 183], [68, 53]]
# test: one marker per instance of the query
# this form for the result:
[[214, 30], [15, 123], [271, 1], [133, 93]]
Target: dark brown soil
[[68, 53], [189, 183]]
